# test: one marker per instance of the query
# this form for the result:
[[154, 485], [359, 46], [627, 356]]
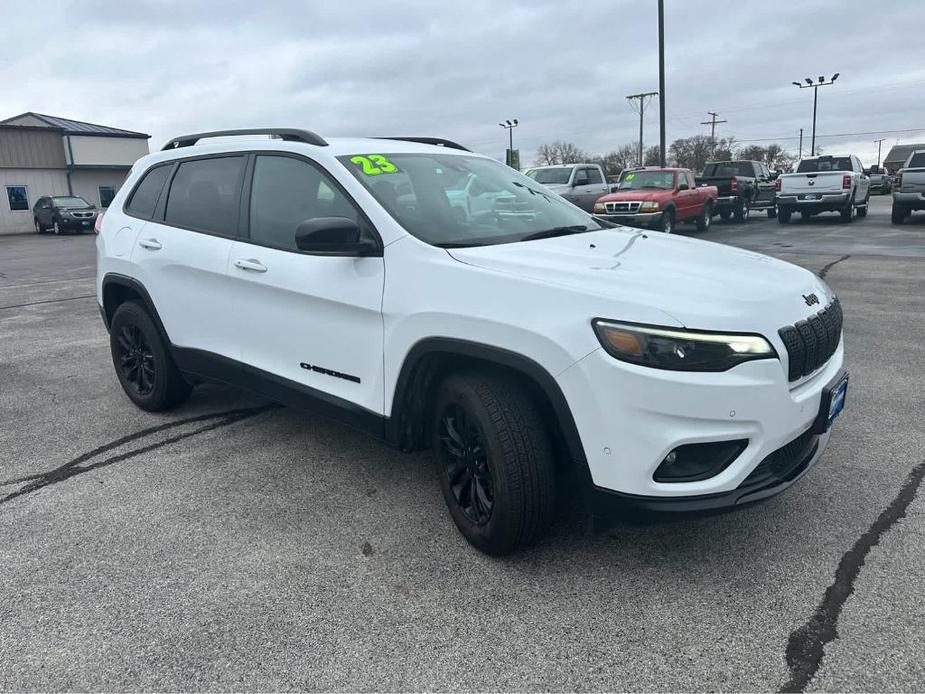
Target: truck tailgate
[[723, 184], [823, 182]]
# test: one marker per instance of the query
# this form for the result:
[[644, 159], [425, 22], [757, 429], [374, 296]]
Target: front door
[[314, 322]]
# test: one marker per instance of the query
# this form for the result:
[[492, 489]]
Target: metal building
[[46, 155]]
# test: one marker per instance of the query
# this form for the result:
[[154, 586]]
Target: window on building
[[18, 197], [107, 193], [204, 195]]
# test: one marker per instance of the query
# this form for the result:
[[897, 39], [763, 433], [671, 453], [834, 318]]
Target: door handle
[[150, 244], [250, 264]]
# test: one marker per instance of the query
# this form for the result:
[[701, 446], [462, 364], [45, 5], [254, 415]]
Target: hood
[[637, 195], [557, 188], [700, 284]]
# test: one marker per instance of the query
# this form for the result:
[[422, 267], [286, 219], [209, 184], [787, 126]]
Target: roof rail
[[439, 141], [288, 134]]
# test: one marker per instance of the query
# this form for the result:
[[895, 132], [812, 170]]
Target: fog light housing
[[698, 461]]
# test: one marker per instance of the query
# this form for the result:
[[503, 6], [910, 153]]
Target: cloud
[[453, 69]]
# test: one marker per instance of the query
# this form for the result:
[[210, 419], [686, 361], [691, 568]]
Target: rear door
[[182, 253], [765, 183], [310, 320], [863, 189]]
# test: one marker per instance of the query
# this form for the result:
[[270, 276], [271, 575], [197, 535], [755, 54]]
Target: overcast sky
[[454, 69]]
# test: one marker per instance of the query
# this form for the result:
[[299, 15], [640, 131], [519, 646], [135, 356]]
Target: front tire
[[494, 460], [39, 229], [143, 364], [57, 228], [667, 223]]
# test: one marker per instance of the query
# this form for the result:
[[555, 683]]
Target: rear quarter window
[[144, 198], [917, 159], [204, 195]]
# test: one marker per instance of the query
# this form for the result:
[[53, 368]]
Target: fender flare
[[112, 279], [525, 366]]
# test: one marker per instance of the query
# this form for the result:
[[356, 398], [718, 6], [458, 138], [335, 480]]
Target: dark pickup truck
[[743, 186]]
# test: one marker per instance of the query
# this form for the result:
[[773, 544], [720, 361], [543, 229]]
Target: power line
[[638, 104], [712, 123]]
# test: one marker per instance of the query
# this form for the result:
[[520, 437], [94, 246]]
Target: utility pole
[[712, 123], [801, 143], [661, 81], [643, 100], [509, 126], [815, 87], [879, 145]]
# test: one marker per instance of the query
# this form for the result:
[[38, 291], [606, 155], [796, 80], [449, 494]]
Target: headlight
[[599, 208], [648, 207], [678, 349]]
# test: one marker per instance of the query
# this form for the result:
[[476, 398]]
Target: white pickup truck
[[824, 184], [909, 193]]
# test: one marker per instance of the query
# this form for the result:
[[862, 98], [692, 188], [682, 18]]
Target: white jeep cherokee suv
[[438, 299]]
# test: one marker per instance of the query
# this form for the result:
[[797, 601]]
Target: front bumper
[[630, 417], [638, 219], [825, 202], [76, 222]]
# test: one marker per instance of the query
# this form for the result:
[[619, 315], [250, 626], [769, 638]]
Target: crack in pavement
[[47, 301], [824, 271], [34, 483], [806, 645]]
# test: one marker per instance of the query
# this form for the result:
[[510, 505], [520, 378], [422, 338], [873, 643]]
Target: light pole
[[509, 125], [661, 82], [810, 84]]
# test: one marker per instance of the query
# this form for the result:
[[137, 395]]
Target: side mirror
[[333, 236]]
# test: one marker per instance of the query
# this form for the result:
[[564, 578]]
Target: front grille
[[784, 463], [812, 342], [621, 207], [82, 215]]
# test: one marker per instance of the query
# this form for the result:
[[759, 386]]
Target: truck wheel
[[847, 212], [703, 221], [143, 365], [741, 211], [805, 216], [772, 212], [783, 215], [39, 229], [667, 223], [494, 460], [862, 211], [725, 214], [898, 215]]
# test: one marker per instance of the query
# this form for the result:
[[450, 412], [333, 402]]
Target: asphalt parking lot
[[231, 545]]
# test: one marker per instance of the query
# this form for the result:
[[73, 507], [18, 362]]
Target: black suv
[[64, 213]]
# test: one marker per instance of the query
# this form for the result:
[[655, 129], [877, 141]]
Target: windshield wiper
[[555, 231]]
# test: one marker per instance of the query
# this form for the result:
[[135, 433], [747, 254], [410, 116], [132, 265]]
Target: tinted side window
[[204, 195], [144, 199], [594, 176], [287, 191]]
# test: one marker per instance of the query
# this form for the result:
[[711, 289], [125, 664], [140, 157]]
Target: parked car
[[658, 199], [909, 193], [743, 185], [665, 373], [580, 184], [825, 183], [880, 181], [63, 213]]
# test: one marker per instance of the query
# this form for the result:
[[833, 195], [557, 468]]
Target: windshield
[[555, 176], [647, 179], [825, 164], [457, 200], [69, 202]]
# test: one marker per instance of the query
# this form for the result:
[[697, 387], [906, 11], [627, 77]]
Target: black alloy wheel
[[462, 449], [136, 359]]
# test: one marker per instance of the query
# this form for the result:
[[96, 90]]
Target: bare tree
[[559, 152], [653, 156], [614, 162]]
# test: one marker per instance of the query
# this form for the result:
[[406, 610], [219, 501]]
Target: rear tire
[[741, 211], [495, 462], [705, 219], [862, 211], [898, 214], [805, 216], [847, 213], [143, 364], [725, 214], [783, 215], [772, 212]]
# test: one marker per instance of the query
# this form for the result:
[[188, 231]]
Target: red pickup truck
[[658, 199]]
